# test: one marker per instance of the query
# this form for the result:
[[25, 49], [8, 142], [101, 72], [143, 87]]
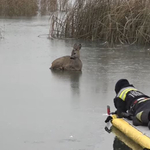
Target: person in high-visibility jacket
[[132, 103]]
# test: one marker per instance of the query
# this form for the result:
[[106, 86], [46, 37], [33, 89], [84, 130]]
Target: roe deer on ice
[[72, 62]]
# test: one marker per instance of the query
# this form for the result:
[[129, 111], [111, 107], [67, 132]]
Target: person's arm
[[120, 106]]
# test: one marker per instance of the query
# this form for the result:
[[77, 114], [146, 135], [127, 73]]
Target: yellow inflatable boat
[[139, 134], [126, 140]]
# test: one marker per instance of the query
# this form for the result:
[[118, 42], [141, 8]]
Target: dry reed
[[30, 7], [48, 6], [18, 7], [63, 5], [117, 21]]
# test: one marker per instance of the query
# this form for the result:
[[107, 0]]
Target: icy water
[[45, 110]]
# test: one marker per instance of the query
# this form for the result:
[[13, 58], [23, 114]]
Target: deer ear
[[75, 46]]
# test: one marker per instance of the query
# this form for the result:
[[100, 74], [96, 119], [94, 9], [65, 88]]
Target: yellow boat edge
[[131, 132], [126, 140]]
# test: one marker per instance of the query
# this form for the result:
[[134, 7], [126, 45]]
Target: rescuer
[[132, 103]]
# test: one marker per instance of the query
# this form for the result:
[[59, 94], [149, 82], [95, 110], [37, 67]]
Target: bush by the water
[[115, 21]]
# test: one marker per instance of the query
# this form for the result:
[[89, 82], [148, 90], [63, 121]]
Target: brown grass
[[117, 21], [30, 7], [48, 6], [18, 7], [63, 5]]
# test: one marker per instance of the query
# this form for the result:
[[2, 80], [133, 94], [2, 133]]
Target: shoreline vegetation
[[29, 8], [117, 21], [18, 7]]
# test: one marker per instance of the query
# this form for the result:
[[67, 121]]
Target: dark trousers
[[142, 113]]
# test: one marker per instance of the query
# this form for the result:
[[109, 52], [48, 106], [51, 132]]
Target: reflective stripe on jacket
[[123, 93]]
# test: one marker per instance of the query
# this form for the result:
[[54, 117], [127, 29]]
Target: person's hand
[[114, 113], [127, 115], [109, 118]]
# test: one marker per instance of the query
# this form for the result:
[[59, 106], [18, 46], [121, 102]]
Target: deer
[[72, 62]]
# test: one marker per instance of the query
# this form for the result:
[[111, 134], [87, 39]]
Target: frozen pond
[[45, 110]]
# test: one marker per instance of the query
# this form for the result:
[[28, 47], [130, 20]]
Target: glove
[[127, 115], [114, 113], [109, 118]]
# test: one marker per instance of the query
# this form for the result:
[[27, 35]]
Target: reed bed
[[117, 21], [18, 7], [48, 6], [31, 7], [63, 5]]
